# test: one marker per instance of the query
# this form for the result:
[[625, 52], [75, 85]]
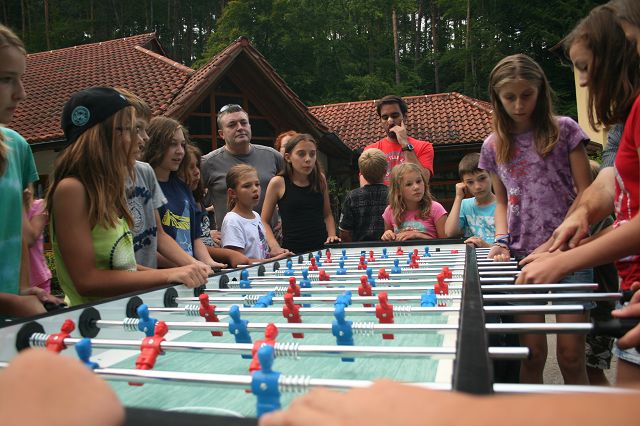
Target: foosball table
[[253, 338]]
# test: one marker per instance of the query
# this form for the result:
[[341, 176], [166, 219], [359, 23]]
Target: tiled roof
[[446, 118], [213, 69], [129, 62]]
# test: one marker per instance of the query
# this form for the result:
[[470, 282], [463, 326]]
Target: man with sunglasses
[[235, 129]]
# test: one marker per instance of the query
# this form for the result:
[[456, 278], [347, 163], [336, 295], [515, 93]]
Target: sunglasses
[[228, 106]]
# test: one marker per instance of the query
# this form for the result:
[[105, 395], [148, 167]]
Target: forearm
[[330, 225], [171, 251], [501, 219], [597, 200], [25, 281], [271, 239], [201, 253], [452, 225], [107, 283]]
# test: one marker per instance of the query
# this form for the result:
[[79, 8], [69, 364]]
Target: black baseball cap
[[89, 107]]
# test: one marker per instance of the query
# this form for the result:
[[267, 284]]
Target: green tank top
[[113, 249]]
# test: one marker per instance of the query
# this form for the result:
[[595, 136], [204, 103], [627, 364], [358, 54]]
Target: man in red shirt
[[397, 146]]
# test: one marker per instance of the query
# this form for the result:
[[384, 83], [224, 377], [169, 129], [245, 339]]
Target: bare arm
[[73, 232], [329, 221], [275, 191], [452, 225], [502, 227]]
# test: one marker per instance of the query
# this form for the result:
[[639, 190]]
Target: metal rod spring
[[402, 310], [364, 328], [38, 340], [295, 384], [233, 284], [281, 290], [287, 350], [251, 299], [130, 324], [192, 310]]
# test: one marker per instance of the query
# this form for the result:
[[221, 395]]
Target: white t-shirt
[[247, 234]]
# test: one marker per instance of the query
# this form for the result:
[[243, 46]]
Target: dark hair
[[317, 181], [628, 10], [161, 130], [228, 109], [278, 142], [389, 100], [610, 99], [469, 164], [192, 151]]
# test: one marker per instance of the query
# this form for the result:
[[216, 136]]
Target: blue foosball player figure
[[318, 261], [396, 268], [344, 255], [426, 252], [245, 282], [238, 327], [264, 383], [305, 282], [428, 299], [370, 278], [146, 324], [347, 296], [341, 329], [289, 272], [341, 269], [83, 349], [385, 255]]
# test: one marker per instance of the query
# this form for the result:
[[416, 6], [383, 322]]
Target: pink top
[[39, 271], [410, 221]]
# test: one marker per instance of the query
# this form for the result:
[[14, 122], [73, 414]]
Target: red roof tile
[[129, 62], [446, 118]]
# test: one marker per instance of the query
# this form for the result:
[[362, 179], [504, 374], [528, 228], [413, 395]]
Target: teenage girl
[[242, 228], [17, 171], [412, 214], [189, 172], [536, 160], [90, 220], [617, 245], [181, 216], [302, 196]]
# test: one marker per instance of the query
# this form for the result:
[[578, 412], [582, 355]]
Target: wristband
[[503, 245]]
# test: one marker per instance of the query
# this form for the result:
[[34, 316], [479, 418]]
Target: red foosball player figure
[[441, 288], [313, 266], [416, 253], [208, 312], [55, 342], [454, 251], [371, 256], [382, 274], [270, 334], [361, 265], [291, 312], [399, 252], [384, 312], [365, 289], [293, 288], [323, 276], [327, 256], [414, 262], [447, 272], [150, 348]]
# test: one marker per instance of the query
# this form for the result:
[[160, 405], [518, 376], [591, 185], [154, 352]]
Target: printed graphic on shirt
[[182, 225], [120, 257], [411, 225], [264, 247]]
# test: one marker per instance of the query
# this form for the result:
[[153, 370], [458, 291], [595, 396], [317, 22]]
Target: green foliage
[[56, 290]]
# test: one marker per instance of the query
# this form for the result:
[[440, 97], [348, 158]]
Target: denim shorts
[[629, 355]]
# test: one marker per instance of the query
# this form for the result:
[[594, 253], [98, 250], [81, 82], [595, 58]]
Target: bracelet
[[503, 239], [500, 244]]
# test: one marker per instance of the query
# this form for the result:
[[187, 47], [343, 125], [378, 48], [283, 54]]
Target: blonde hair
[[546, 132], [373, 165], [97, 160], [142, 108], [161, 130], [397, 203], [233, 177], [7, 39]]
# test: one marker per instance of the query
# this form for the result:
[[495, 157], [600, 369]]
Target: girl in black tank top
[[300, 191]]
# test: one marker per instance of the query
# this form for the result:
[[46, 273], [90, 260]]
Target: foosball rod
[[292, 349]]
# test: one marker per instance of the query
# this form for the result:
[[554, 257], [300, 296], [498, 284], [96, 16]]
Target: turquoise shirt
[[478, 220], [20, 172]]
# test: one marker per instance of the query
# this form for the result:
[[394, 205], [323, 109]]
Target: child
[[280, 143], [619, 244], [35, 221], [242, 228], [363, 207], [144, 197], [473, 217], [301, 193], [190, 173], [17, 171], [532, 156], [412, 213], [90, 220], [180, 217]]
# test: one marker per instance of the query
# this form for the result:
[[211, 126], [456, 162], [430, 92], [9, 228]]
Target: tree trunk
[[46, 24], [434, 43], [23, 17], [417, 44], [467, 39], [394, 24]]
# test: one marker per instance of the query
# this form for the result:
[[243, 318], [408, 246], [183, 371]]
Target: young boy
[[361, 218], [473, 217]]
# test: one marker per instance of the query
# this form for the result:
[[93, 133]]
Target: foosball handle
[[615, 327], [626, 295]]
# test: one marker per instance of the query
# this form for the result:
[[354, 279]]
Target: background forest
[[329, 50]]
